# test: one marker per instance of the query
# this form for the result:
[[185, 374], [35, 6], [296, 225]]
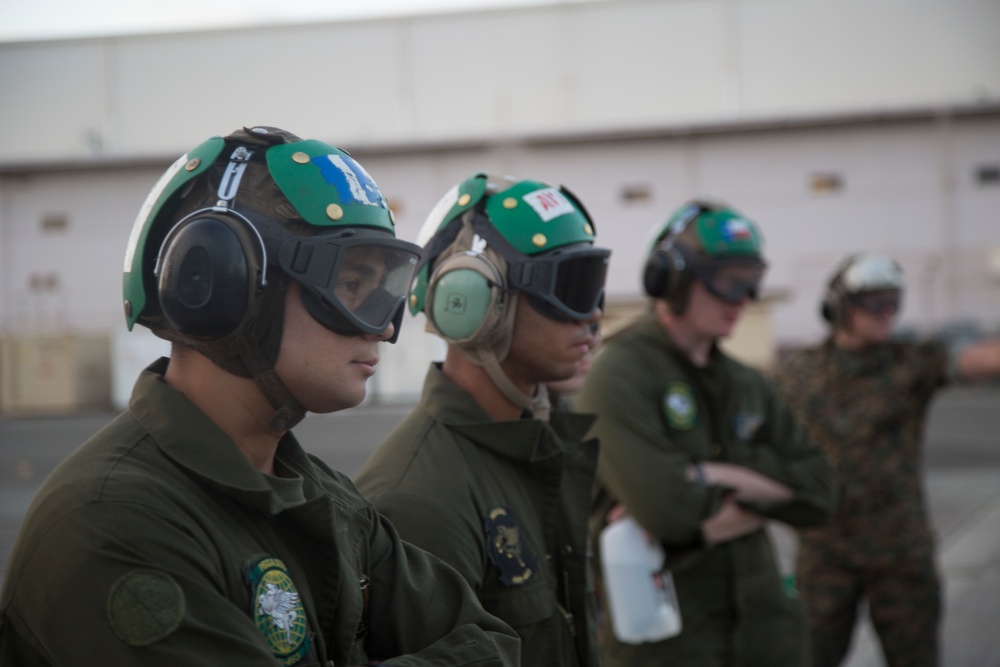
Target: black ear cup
[[207, 274], [656, 274], [826, 309], [664, 273], [465, 298], [832, 307]]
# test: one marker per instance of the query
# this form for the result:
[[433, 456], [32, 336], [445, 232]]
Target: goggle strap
[[443, 238]]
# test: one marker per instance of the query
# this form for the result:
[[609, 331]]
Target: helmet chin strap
[[289, 411], [538, 404]]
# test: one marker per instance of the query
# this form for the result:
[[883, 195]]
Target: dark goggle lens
[[565, 286], [735, 282], [878, 303], [580, 284], [354, 286]]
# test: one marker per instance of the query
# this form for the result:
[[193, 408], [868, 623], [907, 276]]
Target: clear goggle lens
[[733, 280], [353, 284]]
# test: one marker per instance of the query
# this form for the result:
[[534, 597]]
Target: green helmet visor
[[564, 284], [355, 282]]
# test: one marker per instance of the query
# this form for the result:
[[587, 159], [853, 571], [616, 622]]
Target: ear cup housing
[[465, 298], [661, 271], [667, 275], [828, 309], [832, 307], [207, 274]]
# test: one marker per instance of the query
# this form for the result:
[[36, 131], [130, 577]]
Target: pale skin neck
[[697, 346], [478, 384], [242, 414]]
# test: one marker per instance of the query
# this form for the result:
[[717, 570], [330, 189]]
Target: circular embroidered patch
[[145, 606], [680, 406], [278, 610]]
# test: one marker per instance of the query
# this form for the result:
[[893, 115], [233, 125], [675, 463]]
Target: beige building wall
[[836, 126]]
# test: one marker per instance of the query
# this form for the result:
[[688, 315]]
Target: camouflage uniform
[[867, 410]]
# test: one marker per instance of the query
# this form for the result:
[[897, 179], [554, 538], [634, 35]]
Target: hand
[[748, 485], [617, 512], [731, 521]]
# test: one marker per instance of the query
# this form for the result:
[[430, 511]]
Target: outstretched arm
[[979, 361]]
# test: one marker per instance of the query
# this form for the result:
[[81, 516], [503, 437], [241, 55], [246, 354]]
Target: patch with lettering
[[680, 406], [507, 548], [277, 610], [548, 203], [746, 425], [145, 606]]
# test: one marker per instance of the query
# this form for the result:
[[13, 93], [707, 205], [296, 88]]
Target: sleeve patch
[[145, 606]]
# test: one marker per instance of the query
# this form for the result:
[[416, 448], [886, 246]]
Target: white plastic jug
[[641, 596]]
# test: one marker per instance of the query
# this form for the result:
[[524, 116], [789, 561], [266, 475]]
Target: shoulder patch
[[680, 406], [507, 549], [145, 606], [746, 425], [277, 610]]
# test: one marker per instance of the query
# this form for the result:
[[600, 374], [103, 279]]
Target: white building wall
[[744, 100], [564, 68]]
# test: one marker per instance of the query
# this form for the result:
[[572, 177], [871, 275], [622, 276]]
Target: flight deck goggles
[[877, 302], [355, 281], [564, 284], [731, 279]]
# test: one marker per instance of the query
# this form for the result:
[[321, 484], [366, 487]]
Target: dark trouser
[[904, 603]]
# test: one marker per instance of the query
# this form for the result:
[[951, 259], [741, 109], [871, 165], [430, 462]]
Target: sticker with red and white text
[[548, 203]]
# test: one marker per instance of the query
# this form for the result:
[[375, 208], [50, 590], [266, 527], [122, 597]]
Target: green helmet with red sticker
[[231, 221], [493, 240], [710, 242]]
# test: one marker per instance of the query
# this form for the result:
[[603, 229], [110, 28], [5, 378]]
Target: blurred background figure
[[702, 452], [864, 397]]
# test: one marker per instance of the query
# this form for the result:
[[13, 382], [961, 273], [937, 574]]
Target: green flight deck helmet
[[492, 240], [710, 242], [232, 220]]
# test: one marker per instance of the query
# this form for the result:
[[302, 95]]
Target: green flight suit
[[657, 414], [158, 543], [506, 504], [867, 409]]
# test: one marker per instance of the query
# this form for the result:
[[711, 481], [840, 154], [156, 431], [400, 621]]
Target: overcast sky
[[44, 19]]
